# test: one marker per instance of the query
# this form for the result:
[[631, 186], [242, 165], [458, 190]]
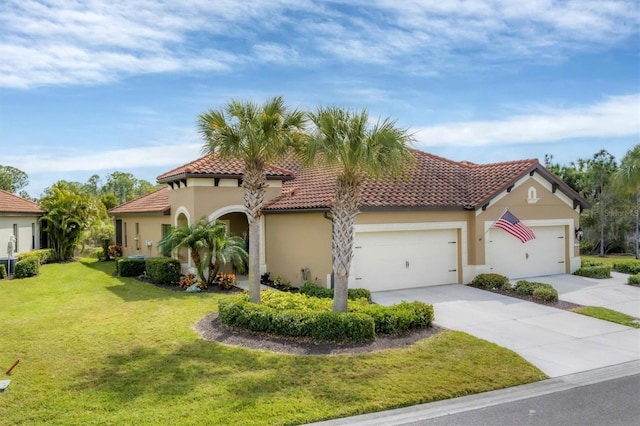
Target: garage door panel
[[545, 255], [404, 259]]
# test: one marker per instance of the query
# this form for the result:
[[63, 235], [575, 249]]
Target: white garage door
[[545, 255], [404, 259]]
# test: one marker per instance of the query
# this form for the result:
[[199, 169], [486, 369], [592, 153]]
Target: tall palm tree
[[210, 246], [627, 179], [257, 135], [345, 140]]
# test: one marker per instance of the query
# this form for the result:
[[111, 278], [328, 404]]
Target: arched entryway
[[235, 218], [183, 218]]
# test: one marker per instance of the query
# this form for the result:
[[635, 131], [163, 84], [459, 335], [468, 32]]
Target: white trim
[[542, 181], [200, 182], [263, 254], [235, 208], [183, 210]]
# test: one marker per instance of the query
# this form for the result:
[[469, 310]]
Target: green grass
[[607, 260], [608, 315], [98, 349]]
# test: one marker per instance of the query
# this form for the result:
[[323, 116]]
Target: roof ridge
[[139, 197]]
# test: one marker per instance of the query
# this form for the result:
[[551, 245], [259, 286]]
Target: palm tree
[[627, 179], [210, 246], [257, 135], [344, 139]]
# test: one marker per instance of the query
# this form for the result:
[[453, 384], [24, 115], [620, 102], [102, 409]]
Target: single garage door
[[404, 259], [545, 255]]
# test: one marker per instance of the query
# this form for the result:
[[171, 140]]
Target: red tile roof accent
[[11, 203], [433, 182], [153, 202], [214, 166]]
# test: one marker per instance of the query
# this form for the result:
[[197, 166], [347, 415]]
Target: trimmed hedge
[[632, 280], [495, 281], [43, 255], [130, 267], [310, 289], [627, 266], [540, 291], [3, 271], [27, 267], [400, 318], [318, 325], [163, 270], [595, 271]]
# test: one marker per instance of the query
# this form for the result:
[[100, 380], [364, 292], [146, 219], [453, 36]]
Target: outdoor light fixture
[[579, 233]]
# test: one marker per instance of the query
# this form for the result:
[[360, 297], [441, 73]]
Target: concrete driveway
[[556, 341]]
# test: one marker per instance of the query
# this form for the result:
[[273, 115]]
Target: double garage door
[[545, 255], [390, 260]]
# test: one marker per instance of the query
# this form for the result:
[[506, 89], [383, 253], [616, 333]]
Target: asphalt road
[[613, 402]]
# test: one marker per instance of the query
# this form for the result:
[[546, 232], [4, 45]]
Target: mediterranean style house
[[435, 226], [18, 222]]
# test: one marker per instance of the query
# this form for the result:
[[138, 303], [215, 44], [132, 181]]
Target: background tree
[[68, 214], [257, 135], [12, 179], [344, 140], [210, 246], [627, 182], [125, 186], [599, 170]]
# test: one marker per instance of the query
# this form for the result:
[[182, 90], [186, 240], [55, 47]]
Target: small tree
[[627, 181]]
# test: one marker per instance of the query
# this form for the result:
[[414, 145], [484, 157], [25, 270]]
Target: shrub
[[495, 281], [3, 271], [311, 289], [99, 254], [114, 251], [595, 271], [589, 262], [237, 311], [43, 255], [524, 287], [627, 266], [545, 292], [225, 281], [633, 279], [27, 267], [190, 279], [163, 270], [398, 318], [130, 267]]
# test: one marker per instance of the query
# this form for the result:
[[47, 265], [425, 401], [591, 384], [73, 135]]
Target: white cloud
[[52, 42], [618, 116]]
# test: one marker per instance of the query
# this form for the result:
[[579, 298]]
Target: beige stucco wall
[[149, 229], [294, 241], [548, 206], [28, 238]]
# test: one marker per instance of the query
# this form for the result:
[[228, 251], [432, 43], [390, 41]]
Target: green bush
[[163, 270], [495, 281], [27, 267], [524, 287], [130, 267], [398, 318], [627, 266], [99, 254], [545, 292], [596, 271], [43, 255], [311, 289], [237, 311], [3, 271], [633, 279], [589, 262]]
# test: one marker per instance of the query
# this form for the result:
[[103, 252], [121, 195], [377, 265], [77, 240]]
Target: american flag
[[512, 225]]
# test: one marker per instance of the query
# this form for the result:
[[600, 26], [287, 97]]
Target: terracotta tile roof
[[213, 166], [434, 182], [11, 203], [153, 202]]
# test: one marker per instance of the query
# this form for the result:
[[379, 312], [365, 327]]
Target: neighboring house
[[19, 218], [142, 222], [433, 227]]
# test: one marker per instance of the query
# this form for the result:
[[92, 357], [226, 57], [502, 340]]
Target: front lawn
[[608, 315], [98, 349]]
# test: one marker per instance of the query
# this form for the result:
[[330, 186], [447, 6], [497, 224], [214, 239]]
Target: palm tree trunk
[[254, 182], [344, 214]]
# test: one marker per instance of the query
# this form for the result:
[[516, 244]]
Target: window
[[126, 239], [33, 236], [15, 234], [165, 230]]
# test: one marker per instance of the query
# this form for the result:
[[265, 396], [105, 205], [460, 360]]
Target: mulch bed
[[210, 328], [560, 304]]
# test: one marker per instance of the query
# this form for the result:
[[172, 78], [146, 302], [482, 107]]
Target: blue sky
[[96, 86]]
